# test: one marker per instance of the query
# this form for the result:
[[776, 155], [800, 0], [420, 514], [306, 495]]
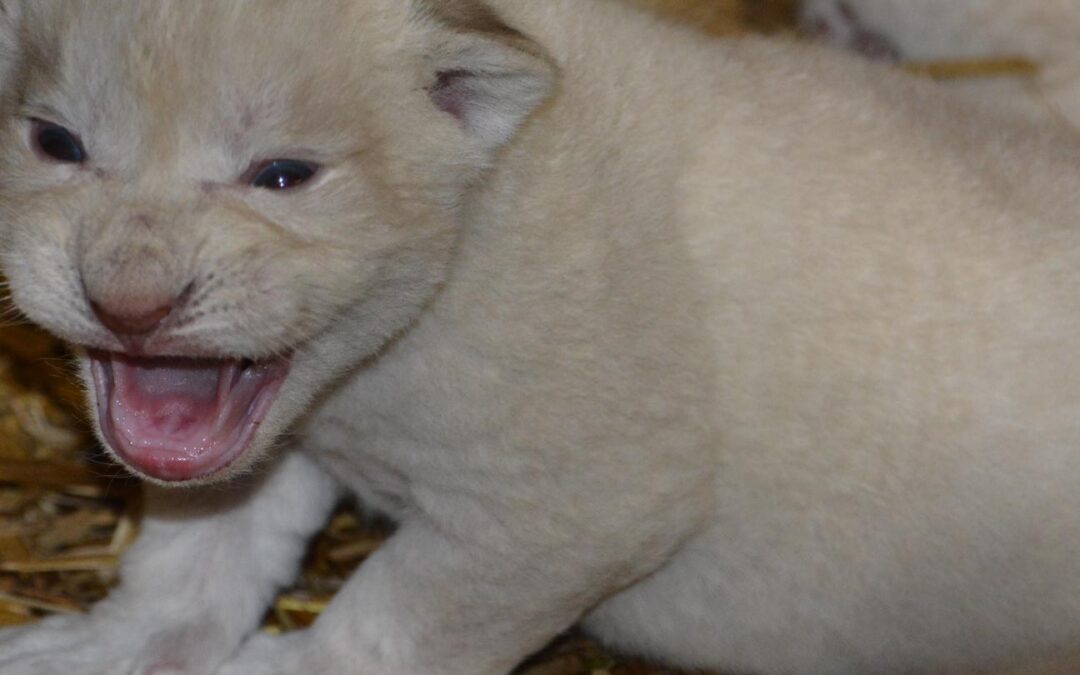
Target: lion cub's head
[[224, 203]]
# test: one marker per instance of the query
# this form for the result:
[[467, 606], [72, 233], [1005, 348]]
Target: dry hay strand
[[959, 69]]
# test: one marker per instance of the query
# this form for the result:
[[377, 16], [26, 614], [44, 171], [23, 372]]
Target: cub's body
[[801, 334]]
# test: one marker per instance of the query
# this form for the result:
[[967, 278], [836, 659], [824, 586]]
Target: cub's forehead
[[182, 53], [215, 23]]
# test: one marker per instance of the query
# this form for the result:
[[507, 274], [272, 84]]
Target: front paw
[[268, 655], [289, 655], [82, 645]]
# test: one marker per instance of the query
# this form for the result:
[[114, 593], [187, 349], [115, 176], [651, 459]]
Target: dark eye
[[283, 174], [56, 142]]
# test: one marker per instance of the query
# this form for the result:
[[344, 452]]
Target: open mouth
[[178, 419]]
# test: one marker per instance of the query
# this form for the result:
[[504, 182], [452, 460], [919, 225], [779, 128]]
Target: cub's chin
[[177, 420]]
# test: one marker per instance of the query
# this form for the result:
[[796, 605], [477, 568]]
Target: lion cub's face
[[224, 203]]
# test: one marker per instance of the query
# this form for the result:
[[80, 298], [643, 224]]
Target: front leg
[[426, 604], [195, 583], [472, 598]]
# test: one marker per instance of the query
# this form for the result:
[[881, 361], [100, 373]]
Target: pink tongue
[[177, 419], [169, 400]]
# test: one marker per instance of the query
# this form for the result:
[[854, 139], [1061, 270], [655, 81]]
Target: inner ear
[[486, 75]]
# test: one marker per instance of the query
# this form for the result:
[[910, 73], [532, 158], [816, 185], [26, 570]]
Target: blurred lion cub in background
[[748, 355]]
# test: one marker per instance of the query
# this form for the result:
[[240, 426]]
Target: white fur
[[755, 357], [1046, 32]]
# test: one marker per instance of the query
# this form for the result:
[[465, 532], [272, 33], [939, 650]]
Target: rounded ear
[[487, 75]]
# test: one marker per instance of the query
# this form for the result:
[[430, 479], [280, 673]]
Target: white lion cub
[[751, 356]]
